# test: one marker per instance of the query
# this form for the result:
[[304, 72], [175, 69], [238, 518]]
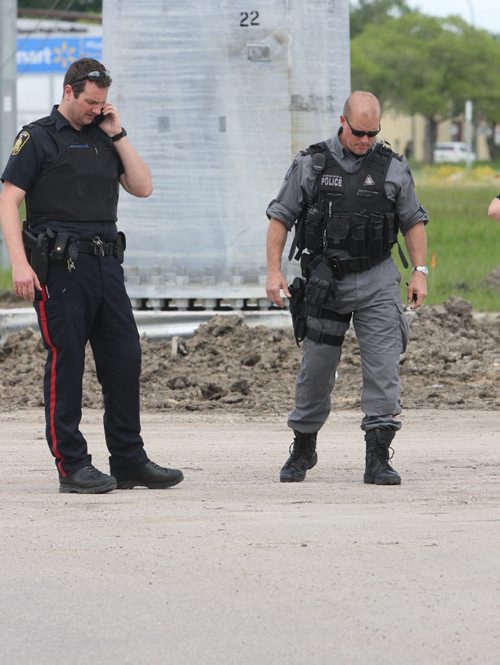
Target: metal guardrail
[[157, 324], [189, 296], [174, 316]]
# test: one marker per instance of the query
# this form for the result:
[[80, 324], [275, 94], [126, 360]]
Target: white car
[[452, 151]]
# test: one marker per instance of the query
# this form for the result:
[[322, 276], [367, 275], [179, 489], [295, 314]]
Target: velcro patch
[[20, 141]]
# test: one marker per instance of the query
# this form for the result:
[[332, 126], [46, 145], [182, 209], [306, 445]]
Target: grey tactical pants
[[381, 328]]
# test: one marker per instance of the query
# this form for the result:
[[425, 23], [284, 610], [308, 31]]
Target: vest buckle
[[337, 268]]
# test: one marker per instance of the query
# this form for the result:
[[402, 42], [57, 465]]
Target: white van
[[452, 151]]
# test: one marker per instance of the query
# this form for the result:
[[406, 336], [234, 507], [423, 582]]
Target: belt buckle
[[98, 246]]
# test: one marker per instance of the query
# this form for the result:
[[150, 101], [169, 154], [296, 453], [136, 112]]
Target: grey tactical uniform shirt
[[300, 178]]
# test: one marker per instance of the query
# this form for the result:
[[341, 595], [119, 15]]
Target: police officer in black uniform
[[68, 167], [349, 196]]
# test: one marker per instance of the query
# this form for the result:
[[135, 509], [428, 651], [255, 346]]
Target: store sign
[[54, 54]]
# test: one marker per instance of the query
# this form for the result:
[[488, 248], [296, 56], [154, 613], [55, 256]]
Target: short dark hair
[[80, 68]]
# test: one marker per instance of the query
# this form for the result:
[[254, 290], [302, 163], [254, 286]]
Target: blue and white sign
[[54, 54]]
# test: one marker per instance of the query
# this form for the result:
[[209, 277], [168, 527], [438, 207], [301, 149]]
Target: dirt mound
[[452, 360], [492, 280]]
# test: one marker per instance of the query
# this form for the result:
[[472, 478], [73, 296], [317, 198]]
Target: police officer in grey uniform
[[349, 196]]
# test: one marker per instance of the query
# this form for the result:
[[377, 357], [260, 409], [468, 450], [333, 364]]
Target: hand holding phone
[[109, 119]]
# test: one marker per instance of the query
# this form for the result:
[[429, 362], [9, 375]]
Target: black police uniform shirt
[[35, 148]]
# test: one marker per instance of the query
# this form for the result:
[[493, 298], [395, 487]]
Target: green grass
[[5, 280], [464, 243]]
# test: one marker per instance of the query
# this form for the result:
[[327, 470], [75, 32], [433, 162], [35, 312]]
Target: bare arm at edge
[[494, 209], [416, 242], [24, 279]]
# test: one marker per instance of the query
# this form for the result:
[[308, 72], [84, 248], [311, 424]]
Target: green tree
[[366, 12], [427, 65], [485, 82]]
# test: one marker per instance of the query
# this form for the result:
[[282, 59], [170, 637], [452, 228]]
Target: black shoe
[[148, 475], [87, 480], [303, 456], [378, 471]]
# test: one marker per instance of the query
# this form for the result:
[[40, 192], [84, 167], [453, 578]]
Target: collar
[[58, 118], [336, 148], [60, 121]]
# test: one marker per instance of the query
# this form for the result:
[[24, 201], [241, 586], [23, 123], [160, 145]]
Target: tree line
[[419, 64]]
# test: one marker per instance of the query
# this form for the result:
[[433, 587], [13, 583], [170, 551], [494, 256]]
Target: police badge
[[20, 141]]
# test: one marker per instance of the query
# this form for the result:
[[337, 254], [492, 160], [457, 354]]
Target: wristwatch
[[423, 269], [119, 136]]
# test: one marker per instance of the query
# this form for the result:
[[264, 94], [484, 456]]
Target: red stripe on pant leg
[[53, 376]]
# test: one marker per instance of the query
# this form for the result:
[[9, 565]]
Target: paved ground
[[233, 567]]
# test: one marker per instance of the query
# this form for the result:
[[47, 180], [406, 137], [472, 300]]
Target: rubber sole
[[72, 489], [292, 480], [390, 481], [130, 484]]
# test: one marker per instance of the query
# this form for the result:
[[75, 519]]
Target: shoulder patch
[[21, 140]]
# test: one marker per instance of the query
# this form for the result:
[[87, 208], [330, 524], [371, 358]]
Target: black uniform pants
[[90, 304]]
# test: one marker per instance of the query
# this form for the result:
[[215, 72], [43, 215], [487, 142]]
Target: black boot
[[378, 470], [303, 456], [148, 475]]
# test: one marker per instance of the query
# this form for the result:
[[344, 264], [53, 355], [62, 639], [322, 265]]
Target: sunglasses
[[359, 133], [95, 75]]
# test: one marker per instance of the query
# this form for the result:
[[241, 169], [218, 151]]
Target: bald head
[[360, 122], [363, 105]]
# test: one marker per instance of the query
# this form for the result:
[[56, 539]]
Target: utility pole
[[8, 97], [468, 130], [471, 10]]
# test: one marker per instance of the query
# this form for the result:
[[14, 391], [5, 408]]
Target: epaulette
[[387, 146], [44, 122]]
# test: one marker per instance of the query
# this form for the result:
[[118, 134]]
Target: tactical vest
[[82, 184], [350, 212]]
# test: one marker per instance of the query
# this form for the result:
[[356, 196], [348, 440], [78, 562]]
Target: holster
[[37, 252], [297, 306], [121, 244]]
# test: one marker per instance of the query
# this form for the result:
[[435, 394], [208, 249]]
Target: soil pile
[[452, 361]]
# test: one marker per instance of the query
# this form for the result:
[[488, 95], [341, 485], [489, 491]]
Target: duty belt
[[50, 247], [342, 267]]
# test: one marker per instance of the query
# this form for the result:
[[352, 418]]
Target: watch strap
[[119, 136]]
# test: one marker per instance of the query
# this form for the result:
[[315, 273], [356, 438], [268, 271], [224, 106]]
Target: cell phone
[[99, 118]]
